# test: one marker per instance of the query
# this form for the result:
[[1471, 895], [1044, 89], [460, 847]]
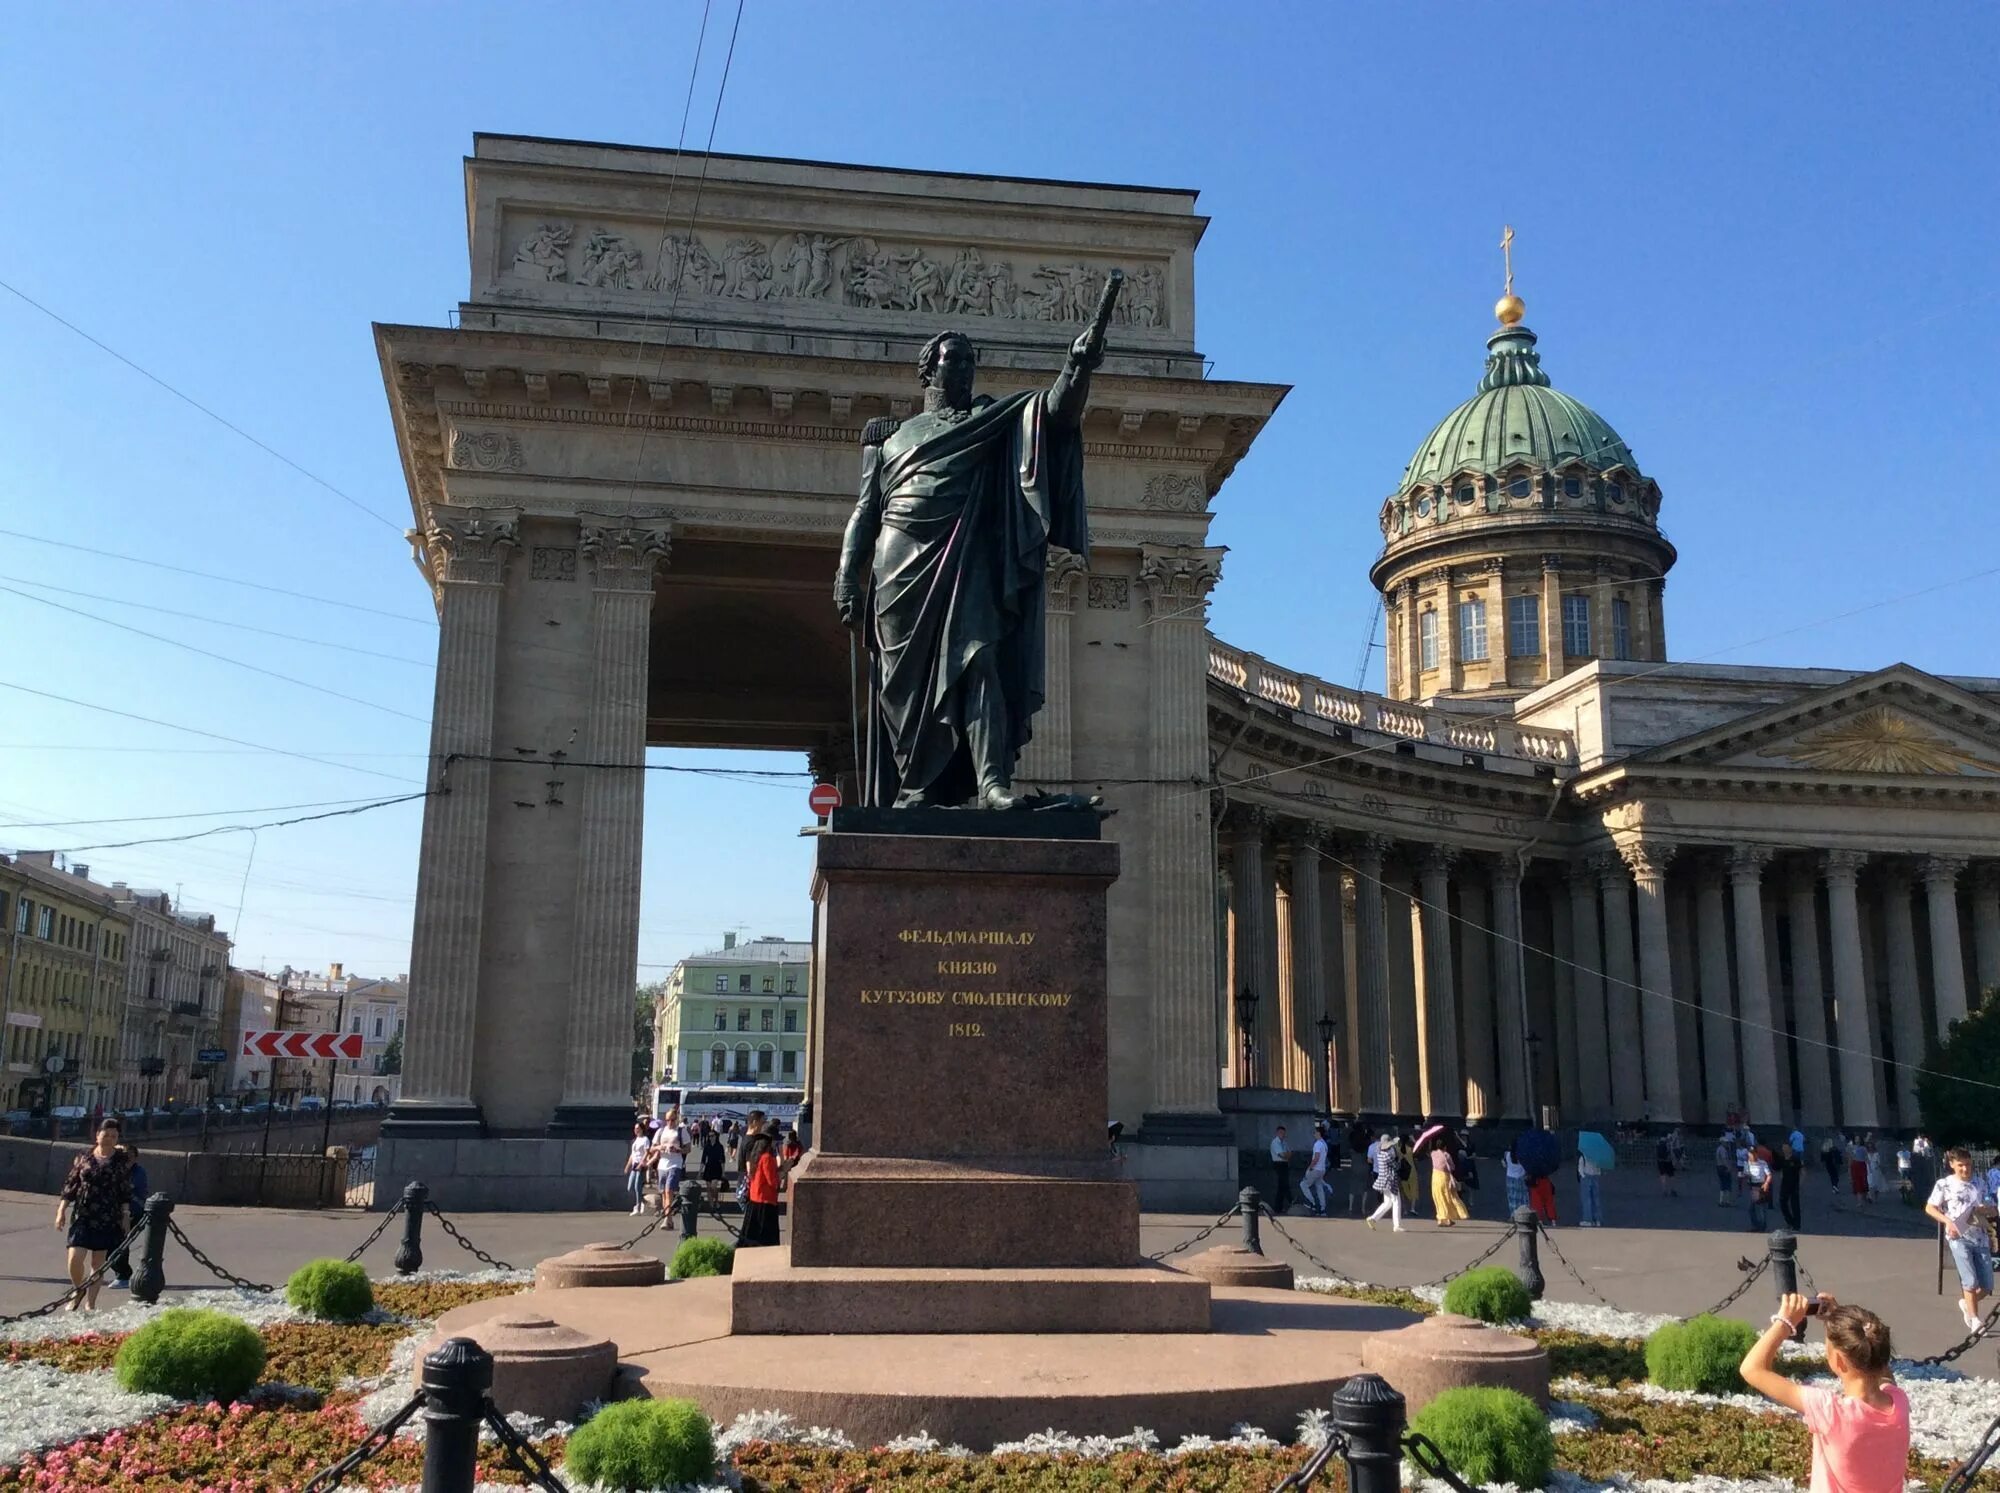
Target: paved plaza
[[1669, 1255]]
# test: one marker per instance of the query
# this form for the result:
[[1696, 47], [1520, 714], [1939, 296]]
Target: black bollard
[[690, 1204], [1784, 1258], [1372, 1417], [151, 1277], [1250, 1205], [1528, 1225], [457, 1376], [410, 1253]]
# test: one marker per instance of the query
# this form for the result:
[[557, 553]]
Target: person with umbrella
[[1446, 1199], [1594, 1157], [1539, 1155]]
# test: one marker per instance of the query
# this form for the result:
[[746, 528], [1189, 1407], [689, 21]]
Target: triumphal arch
[[630, 463]]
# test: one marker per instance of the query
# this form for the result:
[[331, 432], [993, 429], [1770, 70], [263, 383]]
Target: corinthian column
[[1986, 927], [1507, 987], [1309, 982], [604, 970], [1854, 1021], [1437, 1014], [1475, 998], [1593, 1051], [1254, 929], [1621, 988], [1662, 1070], [1371, 976], [1906, 1002], [1718, 1010], [1940, 873], [1047, 761], [1753, 990], [1181, 888], [467, 555], [1809, 998]]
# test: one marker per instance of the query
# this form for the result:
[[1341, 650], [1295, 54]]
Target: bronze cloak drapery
[[966, 518]]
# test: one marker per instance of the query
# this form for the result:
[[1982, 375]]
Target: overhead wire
[[232, 829]]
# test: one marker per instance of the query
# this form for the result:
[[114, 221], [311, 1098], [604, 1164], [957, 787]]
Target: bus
[[729, 1101]]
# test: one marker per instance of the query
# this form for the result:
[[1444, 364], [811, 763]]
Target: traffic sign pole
[[824, 798]]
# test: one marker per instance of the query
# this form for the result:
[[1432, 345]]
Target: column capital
[[1503, 869], [1986, 878], [1747, 862], [1178, 578], [1801, 875], [1608, 866], [1371, 849], [1437, 860], [1647, 859], [468, 546], [625, 553], [1248, 822], [1552, 562], [1897, 872], [1065, 572], [1941, 868], [1842, 865]]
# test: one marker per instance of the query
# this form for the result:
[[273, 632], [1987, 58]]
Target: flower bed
[[425, 1299]]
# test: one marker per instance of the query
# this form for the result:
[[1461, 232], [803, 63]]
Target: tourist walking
[[1860, 1156], [121, 1257], [1831, 1152], [1961, 1204], [1860, 1429], [1589, 1193], [1790, 1167], [714, 1163], [670, 1149], [1446, 1197], [1517, 1181], [1313, 1188], [759, 1162], [1725, 1171], [1757, 1186], [91, 1207], [1666, 1161], [1385, 1155], [635, 1166], [1281, 1172]]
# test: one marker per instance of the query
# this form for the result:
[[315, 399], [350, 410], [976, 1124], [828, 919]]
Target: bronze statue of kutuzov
[[942, 571]]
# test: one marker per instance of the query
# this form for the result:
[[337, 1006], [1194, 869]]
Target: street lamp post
[[1533, 1042], [332, 1067], [1326, 1030], [1246, 1018]]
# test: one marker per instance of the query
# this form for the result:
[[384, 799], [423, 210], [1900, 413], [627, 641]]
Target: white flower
[[1062, 1444], [42, 1406], [1567, 1417], [255, 1307], [924, 1441]]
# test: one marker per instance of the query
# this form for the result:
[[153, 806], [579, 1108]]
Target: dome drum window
[[1466, 495], [1573, 487]]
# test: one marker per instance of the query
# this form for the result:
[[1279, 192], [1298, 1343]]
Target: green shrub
[[698, 1257], [1492, 1293], [1490, 1436], [1701, 1354], [192, 1353], [331, 1290], [643, 1444]]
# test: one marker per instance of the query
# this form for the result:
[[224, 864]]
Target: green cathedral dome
[[1515, 418]]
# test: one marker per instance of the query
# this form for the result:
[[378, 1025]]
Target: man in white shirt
[[1313, 1188], [1961, 1203], [1281, 1172]]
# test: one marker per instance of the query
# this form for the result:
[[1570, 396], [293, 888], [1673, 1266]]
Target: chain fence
[[381, 1228], [371, 1444], [78, 1291], [1195, 1238], [530, 1463], [211, 1267], [466, 1244]]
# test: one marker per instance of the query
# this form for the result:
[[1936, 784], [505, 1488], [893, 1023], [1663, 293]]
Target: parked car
[[18, 1121], [312, 1101]]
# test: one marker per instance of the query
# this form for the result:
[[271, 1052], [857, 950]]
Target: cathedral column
[[1181, 891], [1047, 759], [1496, 621], [1718, 1023], [1343, 991], [1661, 1074], [1309, 985], [1687, 1013], [1906, 1001], [1593, 1049], [1809, 998], [1563, 975], [1254, 930], [1475, 1004], [1986, 927], [1656, 602], [1621, 989], [467, 553], [1508, 987], [1553, 661], [1413, 659], [1940, 873], [1405, 993], [1437, 1014], [1371, 976], [1761, 1099], [604, 968], [1447, 631], [1854, 1021], [1600, 610]]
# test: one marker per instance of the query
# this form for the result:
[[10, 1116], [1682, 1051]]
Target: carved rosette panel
[[1178, 578], [624, 557], [470, 549], [1174, 492], [486, 451], [1065, 570]]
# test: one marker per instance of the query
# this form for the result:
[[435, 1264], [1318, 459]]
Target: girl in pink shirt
[[1860, 1431]]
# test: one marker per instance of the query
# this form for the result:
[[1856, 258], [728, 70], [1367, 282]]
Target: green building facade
[[737, 1014]]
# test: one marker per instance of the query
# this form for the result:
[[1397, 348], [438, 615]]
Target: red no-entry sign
[[824, 798]]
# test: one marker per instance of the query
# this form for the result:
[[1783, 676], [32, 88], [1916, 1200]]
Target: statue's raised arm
[[1071, 389]]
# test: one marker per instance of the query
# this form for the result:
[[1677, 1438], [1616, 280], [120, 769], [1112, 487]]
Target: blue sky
[[1760, 240]]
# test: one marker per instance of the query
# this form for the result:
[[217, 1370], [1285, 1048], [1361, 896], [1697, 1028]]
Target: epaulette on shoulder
[[879, 429]]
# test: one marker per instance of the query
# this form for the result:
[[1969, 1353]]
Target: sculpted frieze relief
[[856, 271], [486, 451], [1174, 492]]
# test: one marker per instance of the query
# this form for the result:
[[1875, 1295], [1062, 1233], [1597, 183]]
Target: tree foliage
[[1953, 1091]]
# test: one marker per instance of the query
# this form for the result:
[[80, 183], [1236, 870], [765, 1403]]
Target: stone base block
[[769, 1294], [599, 1265], [1179, 1175], [866, 1211], [540, 1366], [1449, 1352], [505, 1174], [1233, 1265], [411, 1118]]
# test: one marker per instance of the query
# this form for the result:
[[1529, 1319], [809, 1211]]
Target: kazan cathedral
[[1552, 867]]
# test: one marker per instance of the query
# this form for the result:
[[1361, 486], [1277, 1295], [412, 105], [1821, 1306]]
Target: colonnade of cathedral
[[1639, 980]]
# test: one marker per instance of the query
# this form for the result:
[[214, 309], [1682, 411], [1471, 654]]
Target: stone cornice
[[1628, 779]]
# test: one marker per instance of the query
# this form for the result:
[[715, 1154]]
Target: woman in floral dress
[[92, 1207]]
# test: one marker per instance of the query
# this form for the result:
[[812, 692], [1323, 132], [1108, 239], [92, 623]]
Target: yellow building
[[62, 983]]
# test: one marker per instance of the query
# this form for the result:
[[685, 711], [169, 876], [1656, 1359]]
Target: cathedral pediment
[[1898, 722]]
